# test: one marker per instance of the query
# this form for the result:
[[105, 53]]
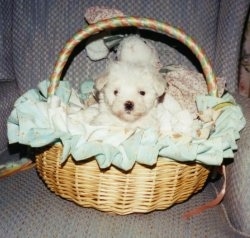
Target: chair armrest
[[231, 21], [236, 201]]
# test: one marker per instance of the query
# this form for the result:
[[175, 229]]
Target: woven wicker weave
[[144, 188]]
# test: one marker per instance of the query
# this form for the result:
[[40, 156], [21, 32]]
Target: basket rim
[[59, 146]]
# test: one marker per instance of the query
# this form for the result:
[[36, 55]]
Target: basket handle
[[136, 22]]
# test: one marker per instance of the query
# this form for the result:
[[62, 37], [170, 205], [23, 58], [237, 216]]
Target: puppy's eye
[[115, 92], [142, 93]]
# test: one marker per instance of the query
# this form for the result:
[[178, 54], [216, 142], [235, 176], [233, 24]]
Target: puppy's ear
[[100, 81], [160, 85]]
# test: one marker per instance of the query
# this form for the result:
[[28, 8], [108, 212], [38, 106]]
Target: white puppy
[[128, 95]]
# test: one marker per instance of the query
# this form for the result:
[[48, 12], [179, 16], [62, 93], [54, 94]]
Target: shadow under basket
[[143, 189]]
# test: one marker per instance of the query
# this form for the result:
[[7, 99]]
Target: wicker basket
[[144, 188]]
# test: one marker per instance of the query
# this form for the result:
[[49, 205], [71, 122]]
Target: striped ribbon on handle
[[145, 23]]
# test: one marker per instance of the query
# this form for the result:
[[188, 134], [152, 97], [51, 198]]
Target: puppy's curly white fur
[[136, 50], [128, 95]]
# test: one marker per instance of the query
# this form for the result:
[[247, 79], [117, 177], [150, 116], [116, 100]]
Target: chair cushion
[[31, 210]]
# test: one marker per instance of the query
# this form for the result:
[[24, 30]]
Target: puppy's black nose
[[129, 106]]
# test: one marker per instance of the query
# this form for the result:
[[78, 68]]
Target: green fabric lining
[[38, 121]]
